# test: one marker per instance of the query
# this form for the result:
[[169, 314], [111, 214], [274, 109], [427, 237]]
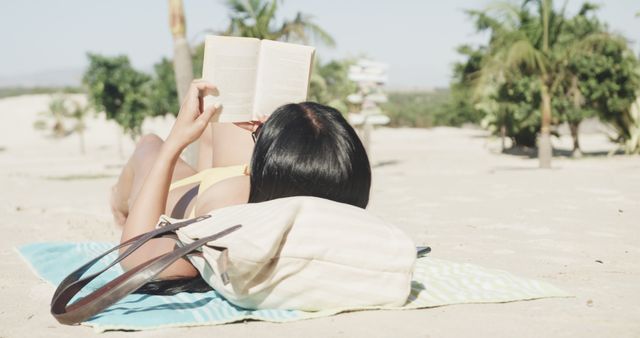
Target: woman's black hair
[[168, 287], [304, 149], [309, 149]]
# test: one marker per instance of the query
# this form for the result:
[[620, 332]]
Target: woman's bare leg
[[124, 193], [205, 149], [231, 145]]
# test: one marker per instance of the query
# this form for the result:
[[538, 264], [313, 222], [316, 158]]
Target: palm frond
[[257, 18], [303, 29], [319, 34], [589, 7], [557, 21], [521, 53], [505, 12], [237, 8], [590, 42], [485, 22]]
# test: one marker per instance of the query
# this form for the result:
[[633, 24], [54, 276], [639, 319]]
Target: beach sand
[[576, 226]]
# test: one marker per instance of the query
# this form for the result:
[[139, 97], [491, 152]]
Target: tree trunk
[[573, 126], [545, 151], [182, 63], [58, 129], [181, 53], [503, 135], [578, 101], [544, 142]]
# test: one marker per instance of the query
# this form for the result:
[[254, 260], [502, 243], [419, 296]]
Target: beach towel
[[436, 282]]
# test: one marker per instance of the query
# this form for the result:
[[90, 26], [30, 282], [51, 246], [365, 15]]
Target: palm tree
[[78, 115], [182, 63], [181, 51], [256, 19], [532, 43], [58, 111], [520, 43], [61, 110]]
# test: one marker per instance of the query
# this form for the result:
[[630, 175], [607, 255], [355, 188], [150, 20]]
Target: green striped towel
[[436, 283]]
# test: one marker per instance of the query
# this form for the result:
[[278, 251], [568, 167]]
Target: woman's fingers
[[205, 88], [254, 124], [208, 113], [244, 125], [250, 126], [194, 102], [202, 88], [193, 116]]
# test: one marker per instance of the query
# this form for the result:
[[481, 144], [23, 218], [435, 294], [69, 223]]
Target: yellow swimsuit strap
[[209, 177], [215, 175]]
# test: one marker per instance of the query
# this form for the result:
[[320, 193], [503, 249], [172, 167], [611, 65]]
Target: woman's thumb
[[209, 111]]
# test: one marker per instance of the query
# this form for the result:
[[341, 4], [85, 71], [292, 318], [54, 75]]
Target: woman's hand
[[193, 116], [252, 126]]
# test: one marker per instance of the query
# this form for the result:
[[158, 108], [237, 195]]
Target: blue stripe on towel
[[436, 283]]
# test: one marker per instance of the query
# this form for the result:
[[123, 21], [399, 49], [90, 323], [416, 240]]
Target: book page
[[231, 64], [283, 75]]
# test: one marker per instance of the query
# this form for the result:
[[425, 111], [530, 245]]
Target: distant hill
[[413, 89], [18, 91]]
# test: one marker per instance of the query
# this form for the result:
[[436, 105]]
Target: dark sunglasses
[[254, 134]]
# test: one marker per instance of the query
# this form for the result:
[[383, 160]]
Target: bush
[[424, 109]]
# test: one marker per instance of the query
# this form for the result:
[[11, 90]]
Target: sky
[[417, 38]]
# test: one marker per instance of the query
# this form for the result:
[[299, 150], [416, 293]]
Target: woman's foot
[[119, 206]]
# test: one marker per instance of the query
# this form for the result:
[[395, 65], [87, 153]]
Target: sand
[[576, 225]]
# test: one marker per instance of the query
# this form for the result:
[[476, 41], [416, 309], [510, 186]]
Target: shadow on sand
[[385, 163], [533, 153]]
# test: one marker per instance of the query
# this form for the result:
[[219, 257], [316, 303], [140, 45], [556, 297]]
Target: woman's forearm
[[152, 198], [147, 208]]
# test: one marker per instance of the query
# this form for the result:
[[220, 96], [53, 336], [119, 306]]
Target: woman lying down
[[301, 149]]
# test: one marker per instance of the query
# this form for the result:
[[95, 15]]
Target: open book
[[254, 77]]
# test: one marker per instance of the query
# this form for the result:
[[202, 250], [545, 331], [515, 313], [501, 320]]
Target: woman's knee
[[145, 152], [149, 140]]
